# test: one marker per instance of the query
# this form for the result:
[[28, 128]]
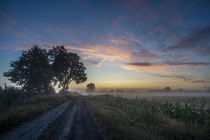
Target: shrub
[[11, 95]]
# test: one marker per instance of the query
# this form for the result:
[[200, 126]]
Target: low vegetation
[[17, 107], [142, 119]]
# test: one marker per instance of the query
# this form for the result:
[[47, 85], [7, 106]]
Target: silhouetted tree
[[167, 89], [31, 71], [66, 67], [91, 87], [180, 90], [5, 86], [119, 90], [112, 90], [1, 89]]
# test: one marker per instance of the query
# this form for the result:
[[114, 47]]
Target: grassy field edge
[[16, 114], [133, 119]]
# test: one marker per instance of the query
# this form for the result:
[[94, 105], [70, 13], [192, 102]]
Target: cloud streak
[[161, 67], [200, 81], [197, 42], [116, 50], [174, 76], [187, 78], [170, 64]]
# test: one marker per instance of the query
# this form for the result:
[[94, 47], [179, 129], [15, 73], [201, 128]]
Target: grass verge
[[26, 110], [141, 119]]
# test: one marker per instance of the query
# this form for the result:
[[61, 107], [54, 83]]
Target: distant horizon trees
[[119, 90], [168, 89], [37, 70], [91, 87]]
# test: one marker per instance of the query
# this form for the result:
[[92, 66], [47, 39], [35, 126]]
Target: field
[[118, 116], [149, 117], [194, 99]]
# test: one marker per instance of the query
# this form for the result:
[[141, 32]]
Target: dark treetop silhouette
[[66, 67], [31, 71], [36, 69], [91, 87]]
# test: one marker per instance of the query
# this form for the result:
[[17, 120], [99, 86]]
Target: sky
[[144, 44]]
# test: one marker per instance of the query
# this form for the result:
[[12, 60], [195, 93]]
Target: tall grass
[[142, 119], [17, 107], [11, 95]]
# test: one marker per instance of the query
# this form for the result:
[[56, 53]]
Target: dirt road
[[71, 120]]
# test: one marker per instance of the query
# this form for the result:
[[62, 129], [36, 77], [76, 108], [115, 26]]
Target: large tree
[[66, 67], [32, 71]]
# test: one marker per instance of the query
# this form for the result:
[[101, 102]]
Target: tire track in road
[[69, 121], [80, 125]]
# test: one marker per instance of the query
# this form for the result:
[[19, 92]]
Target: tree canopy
[[91, 87], [66, 67], [31, 71], [167, 89], [36, 69]]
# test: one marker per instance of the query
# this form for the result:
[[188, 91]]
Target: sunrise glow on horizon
[[146, 44]]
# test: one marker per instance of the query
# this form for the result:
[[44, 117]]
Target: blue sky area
[[123, 43]]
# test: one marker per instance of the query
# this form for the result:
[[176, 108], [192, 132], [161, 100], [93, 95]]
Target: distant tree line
[[37, 70]]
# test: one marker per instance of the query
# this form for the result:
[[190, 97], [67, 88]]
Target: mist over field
[[186, 94], [156, 95]]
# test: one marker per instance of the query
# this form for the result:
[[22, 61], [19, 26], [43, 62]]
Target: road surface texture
[[68, 121]]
